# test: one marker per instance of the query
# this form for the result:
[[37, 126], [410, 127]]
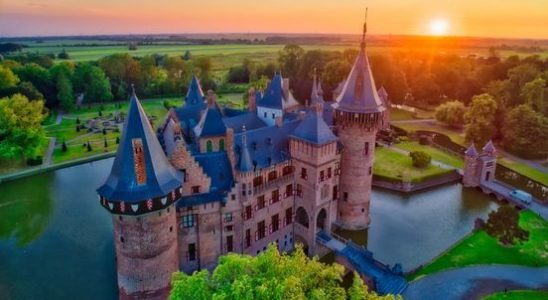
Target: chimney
[[302, 114], [278, 121], [251, 100], [285, 87]]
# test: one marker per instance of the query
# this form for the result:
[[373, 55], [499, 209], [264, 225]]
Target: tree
[[98, 88], [289, 58], [451, 113], [64, 147], [503, 224], [63, 55], [533, 93], [41, 79], [21, 133], [105, 143], [420, 159], [88, 146], [7, 78], [187, 55], [64, 91], [480, 119], [270, 275], [525, 132]]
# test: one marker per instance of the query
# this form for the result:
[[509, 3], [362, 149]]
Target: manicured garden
[[392, 165], [518, 295], [480, 248]]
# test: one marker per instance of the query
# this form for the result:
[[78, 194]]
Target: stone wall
[[146, 253]]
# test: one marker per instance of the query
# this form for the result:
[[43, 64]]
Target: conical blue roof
[[246, 163], [161, 177], [489, 148], [313, 129], [195, 94], [359, 94], [274, 97], [471, 151]]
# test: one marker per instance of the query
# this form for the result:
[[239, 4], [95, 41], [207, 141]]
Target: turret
[[276, 100], [358, 114], [487, 163], [140, 193], [210, 132], [470, 176]]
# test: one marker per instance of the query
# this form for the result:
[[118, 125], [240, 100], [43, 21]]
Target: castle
[[215, 180]]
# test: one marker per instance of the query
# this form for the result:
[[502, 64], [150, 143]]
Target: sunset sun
[[438, 27]]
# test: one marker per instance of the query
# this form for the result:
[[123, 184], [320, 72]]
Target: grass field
[[519, 295], [524, 169], [479, 248], [456, 135], [398, 166], [435, 153]]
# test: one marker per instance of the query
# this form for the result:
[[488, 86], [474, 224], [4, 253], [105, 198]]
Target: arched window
[[209, 146], [222, 145], [302, 217]]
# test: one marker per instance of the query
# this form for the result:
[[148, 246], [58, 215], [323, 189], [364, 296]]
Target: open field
[[480, 248], [519, 295], [397, 166]]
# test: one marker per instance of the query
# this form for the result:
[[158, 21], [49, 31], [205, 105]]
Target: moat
[[56, 240]]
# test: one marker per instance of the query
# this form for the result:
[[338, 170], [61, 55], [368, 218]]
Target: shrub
[[64, 147], [451, 113], [503, 224], [36, 161], [420, 159], [89, 147]]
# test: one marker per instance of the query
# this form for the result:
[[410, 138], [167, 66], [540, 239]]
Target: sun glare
[[438, 27]]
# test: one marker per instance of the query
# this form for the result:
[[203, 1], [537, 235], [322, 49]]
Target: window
[[273, 116], [191, 254], [366, 148], [228, 217], [261, 202], [304, 174], [325, 191], [229, 243], [329, 172], [265, 114], [257, 181], [345, 196], [229, 228], [209, 146], [243, 189], [288, 190], [275, 195], [261, 230], [299, 190], [221, 145], [322, 176], [289, 216], [287, 170], [272, 175], [275, 223], [248, 213], [335, 192], [196, 189], [139, 161], [370, 170], [247, 238], [188, 221]]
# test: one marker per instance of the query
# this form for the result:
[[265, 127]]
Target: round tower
[[140, 193], [358, 114]]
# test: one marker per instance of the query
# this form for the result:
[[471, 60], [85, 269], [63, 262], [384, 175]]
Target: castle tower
[[358, 114], [487, 163], [313, 150], [470, 177], [276, 100], [140, 193], [210, 132]]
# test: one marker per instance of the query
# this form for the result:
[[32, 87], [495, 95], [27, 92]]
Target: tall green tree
[[480, 119], [64, 91], [533, 93], [7, 78], [290, 59], [525, 132], [20, 127], [98, 89], [270, 275]]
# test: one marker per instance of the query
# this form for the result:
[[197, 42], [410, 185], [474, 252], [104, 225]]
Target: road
[[476, 282]]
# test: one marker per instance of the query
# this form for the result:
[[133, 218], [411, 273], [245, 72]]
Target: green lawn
[[524, 169], [78, 150], [435, 153], [455, 134], [398, 166], [400, 114], [519, 295], [479, 248]]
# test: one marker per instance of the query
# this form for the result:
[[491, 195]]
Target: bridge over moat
[[356, 258]]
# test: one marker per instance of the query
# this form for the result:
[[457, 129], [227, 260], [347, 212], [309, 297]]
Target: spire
[[489, 149], [471, 151], [364, 30], [140, 170], [359, 94], [245, 164], [195, 94], [313, 129], [211, 123]]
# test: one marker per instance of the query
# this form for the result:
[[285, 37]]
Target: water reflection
[[25, 208]]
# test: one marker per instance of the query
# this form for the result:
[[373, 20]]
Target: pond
[[56, 240]]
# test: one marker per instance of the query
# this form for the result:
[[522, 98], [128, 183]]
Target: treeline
[[37, 77]]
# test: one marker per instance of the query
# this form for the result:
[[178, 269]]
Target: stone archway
[[321, 220], [302, 217], [299, 240]]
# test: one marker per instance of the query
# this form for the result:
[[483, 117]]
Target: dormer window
[[269, 141], [254, 146], [139, 161]]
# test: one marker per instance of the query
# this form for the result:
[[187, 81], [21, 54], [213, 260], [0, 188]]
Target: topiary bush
[[420, 159]]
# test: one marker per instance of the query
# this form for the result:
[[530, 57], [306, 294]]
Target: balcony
[[276, 183]]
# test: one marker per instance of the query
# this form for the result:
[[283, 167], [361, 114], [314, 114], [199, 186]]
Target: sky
[[483, 18]]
